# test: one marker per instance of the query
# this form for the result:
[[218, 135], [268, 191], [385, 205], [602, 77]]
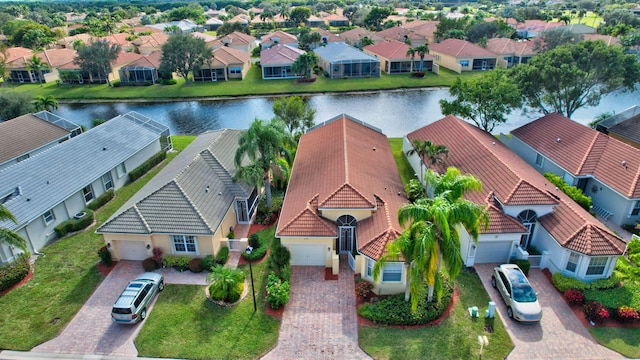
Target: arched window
[[346, 233], [528, 218]]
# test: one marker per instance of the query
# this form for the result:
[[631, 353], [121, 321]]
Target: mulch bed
[[104, 269], [276, 314], [328, 274], [18, 284]]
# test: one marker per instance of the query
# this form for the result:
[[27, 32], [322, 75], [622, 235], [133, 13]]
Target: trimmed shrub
[[595, 312], [277, 291], [279, 256], [101, 200], [157, 256], [222, 256], [208, 262], [138, 172], [633, 247], [573, 192], [605, 284], [149, 264], [13, 272], [363, 288], [72, 225], [258, 252], [254, 241], [285, 273], [574, 297], [627, 314], [180, 263], [105, 256], [524, 265], [564, 283], [195, 265]]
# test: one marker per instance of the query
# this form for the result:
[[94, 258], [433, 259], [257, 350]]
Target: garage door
[[131, 250], [493, 252], [307, 254]]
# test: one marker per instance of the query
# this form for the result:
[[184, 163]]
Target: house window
[[636, 208], [184, 243], [539, 160], [235, 70], [370, 264], [107, 181], [392, 272], [120, 170], [597, 265], [87, 192], [463, 63], [48, 217], [572, 263]]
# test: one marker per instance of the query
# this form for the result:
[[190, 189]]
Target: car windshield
[[524, 293]]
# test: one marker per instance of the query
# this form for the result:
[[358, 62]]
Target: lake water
[[395, 112]]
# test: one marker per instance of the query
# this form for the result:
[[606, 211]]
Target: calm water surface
[[396, 113]]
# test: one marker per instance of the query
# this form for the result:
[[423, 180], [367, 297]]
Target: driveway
[[320, 319], [91, 331], [559, 335]]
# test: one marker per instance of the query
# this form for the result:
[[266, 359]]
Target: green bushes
[[72, 225], [573, 192], [105, 256], [180, 263], [222, 255], [277, 291], [280, 255], [101, 200], [524, 265], [227, 284], [278, 281], [147, 165], [257, 252], [195, 265], [12, 273], [149, 264], [564, 283]]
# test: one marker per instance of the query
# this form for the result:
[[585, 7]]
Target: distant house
[[30, 134], [53, 186], [328, 37], [147, 44], [341, 60], [623, 126], [67, 41], [236, 40], [533, 28], [401, 34], [579, 29], [608, 39], [228, 63], [53, 58], [278, 37], [460, 55], [276, 61], [424, 28], [604, 168], [354, 36], [524, 209], [511, 52], [314, 21], [394, 59], [212, 24], [336, 20], [185, 26], [142, 71], [200, 202]]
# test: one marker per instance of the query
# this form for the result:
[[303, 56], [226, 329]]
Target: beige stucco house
[[460, 55]]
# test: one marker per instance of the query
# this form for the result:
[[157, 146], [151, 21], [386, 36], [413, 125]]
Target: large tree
[[296, 115], [303, 64], [264, 145], [97, 58], [552, 38], [14, 104], [573, 76], [299, 15], [7, 236], [375, 17], [182, 53], [484, 99]]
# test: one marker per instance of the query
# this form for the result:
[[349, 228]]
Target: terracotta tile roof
[[154, 41], [503, 174], [17, 52], [151, 61], [609, 40], [499, 222], [460, 48], [26, 133], [225, 56], [119, 39], [331, 37], [392, 50], [506, 46], [425, 28], [356, 35], [344, 151], [583, 151], [538, 25], [283, 38], [335, 17], [241, 19], [400, 34], [57, 57], [527, 194], [126, 57], [237, 37], [279, 55]]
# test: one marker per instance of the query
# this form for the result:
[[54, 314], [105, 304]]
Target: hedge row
[[573, 192], [12, 273], [147, 165], [564, 283], [101, 200], [72, 225]]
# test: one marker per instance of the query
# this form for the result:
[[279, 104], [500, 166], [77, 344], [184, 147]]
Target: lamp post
[[253, 290]]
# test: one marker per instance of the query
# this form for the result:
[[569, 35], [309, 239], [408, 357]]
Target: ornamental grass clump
[[226, 284]]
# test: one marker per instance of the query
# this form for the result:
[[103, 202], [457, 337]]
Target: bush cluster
[[72, 225], [157, 256], [363, 288], [259, 251], [227, 284], [573, 192], [195, 265], [147, 165], [280, 255], [105, 256], [279, 280], [266, 216], [564, 283], [524, 265], [149, 264], [574, 296], [179, 262], [12, 273], [277, 291], [222, 256], [627, 314], [101, 200], [596, 312]]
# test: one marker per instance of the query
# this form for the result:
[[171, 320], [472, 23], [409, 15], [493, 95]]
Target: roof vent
[[104, 148], [558, 140], [206, 189], [493, 143], [624, 163], [374, 148]]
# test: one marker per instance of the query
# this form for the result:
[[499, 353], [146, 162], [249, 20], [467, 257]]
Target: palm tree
[[224, 282], [37, 65], [426, 150], [422, 50], [264, 144], [412, 54], [7, 236], [48, 103]]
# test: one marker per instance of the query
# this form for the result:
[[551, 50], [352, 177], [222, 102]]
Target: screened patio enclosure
[[355, 68], [138, 75], [209, 75]]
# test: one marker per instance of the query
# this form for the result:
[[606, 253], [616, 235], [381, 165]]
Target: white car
[[131, 306], [522, 301]]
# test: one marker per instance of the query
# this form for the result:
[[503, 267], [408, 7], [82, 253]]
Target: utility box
[[491, 312]]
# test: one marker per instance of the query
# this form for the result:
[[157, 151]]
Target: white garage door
[[493, 252], [307, 254], [132, 250]]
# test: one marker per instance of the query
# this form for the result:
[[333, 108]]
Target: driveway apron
[[559, 335], [320, 319]]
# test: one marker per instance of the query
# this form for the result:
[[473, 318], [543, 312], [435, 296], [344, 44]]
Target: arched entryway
[[346, 234], [528, 218]]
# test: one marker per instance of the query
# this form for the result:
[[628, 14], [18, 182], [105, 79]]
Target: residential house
[[336, 20], [55, 185], [394, 58], [579, 29], [349, 213], [604, 168], [212, 24], [278, 37], [460, 55], [617, 127], [314, 21], [185, 26], [424, 28], [276, 61], [199, 201], [328, 37], [242, 19], [524, 209], [401, 34], [533, 28], [511, 52], [354, 37], [340, 60], [236, 40], [209, 40], [30, 134], [228, 63], [144, 71], [147, 44], [53, 58], [68, 41]]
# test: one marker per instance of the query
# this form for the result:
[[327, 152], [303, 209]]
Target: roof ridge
[[346, 156], [590, 150], [144, 221], [186, 196]]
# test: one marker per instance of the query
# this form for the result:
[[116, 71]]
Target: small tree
[[224, 282], [97, 58], [182, 53], [303, 65], [48, 103], [296, 114], [36, 65]]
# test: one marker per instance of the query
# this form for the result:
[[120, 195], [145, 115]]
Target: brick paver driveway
[[559, 335], [320, 320]]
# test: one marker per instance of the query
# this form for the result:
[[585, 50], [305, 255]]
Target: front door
[[346, 234]]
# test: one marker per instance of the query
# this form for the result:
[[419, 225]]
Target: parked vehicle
[[131, 307], [517, 293]]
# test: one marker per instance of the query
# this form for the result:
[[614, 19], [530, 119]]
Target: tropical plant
[[97, 57], [411, 52], [48, 103], [422, 51], [224, 281], [7, 236], [428, 151], [296, 114], [303, 64], [36, 65]]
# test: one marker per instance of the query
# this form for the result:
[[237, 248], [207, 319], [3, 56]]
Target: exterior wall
[[333, 215], [540, 210], [142, 156], [328, 243], [205, 244], [228, 221], [449, 62], [614, 202], [380, 287]]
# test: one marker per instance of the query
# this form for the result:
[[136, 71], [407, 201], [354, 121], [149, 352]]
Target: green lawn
[[184, 324], [251, 85], [404, 168], [455, 338], [624, 341]]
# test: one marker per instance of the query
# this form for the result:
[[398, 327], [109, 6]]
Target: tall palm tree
[[48, 103], [7, 236], [37, 65], [422, 51], [264, 144], [426, 150], [412, 54]]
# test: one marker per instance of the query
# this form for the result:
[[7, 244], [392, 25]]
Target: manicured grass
[[624, 341], [184, 324], [404, 168], [63, 280], [455, 338], [181, 141], [251, 85]]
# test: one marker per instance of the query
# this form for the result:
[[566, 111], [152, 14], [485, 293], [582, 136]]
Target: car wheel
[[493, 282], [161, 286], [143, 314], [510, 312]]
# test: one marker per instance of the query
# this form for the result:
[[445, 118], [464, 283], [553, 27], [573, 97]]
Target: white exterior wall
[[529, 154], [614, 202], [141, 156], [414, 159]]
